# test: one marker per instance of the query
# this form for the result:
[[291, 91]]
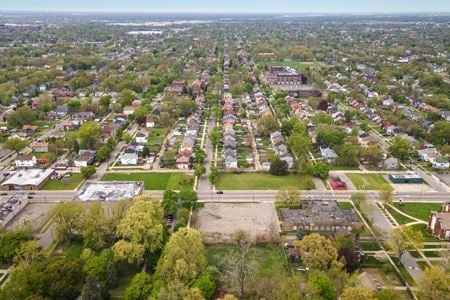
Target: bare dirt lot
[[411, 187], [34, 214], [219, 221]]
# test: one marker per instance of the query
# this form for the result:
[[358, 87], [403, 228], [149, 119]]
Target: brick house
[[439, 223]]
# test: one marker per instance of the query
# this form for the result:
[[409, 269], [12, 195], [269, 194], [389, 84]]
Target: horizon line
[[223, 12]]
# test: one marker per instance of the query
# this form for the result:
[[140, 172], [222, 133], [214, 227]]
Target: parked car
[[220, 192]]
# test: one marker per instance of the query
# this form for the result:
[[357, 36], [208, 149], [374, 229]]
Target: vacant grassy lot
[[154, 181], [401, 219], [156, 137], [219, 221], [263, 181], [345, 205], [56, 184], [269, 259], [367, 181], [418, 210]]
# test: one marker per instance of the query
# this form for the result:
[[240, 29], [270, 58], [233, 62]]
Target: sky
[[230, 6]]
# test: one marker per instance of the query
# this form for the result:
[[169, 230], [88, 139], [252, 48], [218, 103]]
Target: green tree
[[353, 293], [267, 125], [66, 216], [63, 279], [385, 193], [200, 156], [238, 262], [319, 169], [127, 138], [169, 202], [440, 134], [95, 228], [87, 172], [140, 287], [126, 97], [103, 153], [46, 103], [22, 116], [29, 252], [404, 238], [215, 136], [94, 290], [213, 175], [199, 170], [183, 258], [300, 144], [289, 198], [434, 284], [73, 106], [105, 102], [373, 155], [278, 167], [174, 291], [321, 287], [89, 135], [188, 198], [15, 144], [141, 230], [206, 285], [10, 243], [400, 148], [317, 252], [185, 107]]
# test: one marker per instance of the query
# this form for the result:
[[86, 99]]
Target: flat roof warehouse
[[109, 191]]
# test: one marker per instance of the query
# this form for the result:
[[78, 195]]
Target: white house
[[129, 157], [25, 161], [85, 159], [231, 162], [141, 137], [440, 163]]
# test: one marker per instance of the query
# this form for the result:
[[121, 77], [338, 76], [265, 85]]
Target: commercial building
[[405, 179], [31, 179], [321, 216]]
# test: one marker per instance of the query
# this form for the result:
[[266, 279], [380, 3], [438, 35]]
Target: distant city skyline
[[229, 6]]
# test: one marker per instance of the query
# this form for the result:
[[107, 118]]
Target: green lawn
[[427, 236], [418, 210], [367, 181], [345, 205], [154, 181], [369, 245], [270, 259], [263, 181], [401, 219], [157, 135], [346, 168], [55, 184]]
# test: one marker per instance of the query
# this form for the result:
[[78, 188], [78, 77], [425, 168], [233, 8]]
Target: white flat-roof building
[[109, 190], [31, 179]]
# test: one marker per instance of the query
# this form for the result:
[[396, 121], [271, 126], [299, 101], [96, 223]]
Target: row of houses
[[430, 154], [229, 135], [193, 123]]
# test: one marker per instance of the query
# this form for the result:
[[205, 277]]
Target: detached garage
[[405, 179]]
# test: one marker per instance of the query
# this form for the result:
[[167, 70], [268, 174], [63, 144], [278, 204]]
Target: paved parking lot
[[219, 221], [34, 214]]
